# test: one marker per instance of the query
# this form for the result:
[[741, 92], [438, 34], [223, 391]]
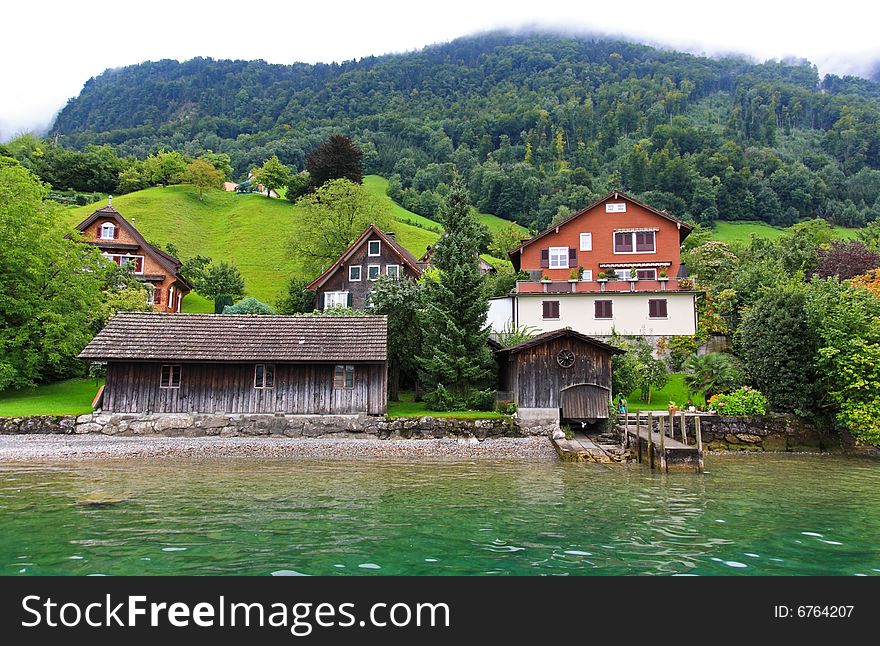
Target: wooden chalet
[[557, 375], [347, 282], [120, 242], [226, 363]]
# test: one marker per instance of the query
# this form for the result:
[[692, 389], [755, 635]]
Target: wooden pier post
[[651, 439], [684, 436], [699, 442], [663, 443], [639, 433], [626, 430]]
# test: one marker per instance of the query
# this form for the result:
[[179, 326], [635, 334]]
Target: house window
[[603, 310], [108, 231], [587, 274], [615, 207], [645, 242], [122, 259], [634, 242], [343, 377], [551, 309], [335, 299], [354, 273], [586, 242], [264, 375], [170, 376], [375, 248], [373, 272], [623, 243], [646, 274], [558, 257], [393, 271], [657, 308]]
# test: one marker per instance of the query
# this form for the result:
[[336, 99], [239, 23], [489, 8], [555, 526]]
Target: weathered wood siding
[[229, 388], [359, 289], [538, 381]]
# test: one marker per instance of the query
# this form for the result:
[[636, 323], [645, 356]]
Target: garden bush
[[743, 401]]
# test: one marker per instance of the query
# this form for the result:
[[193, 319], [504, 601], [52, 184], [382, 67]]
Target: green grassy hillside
[[743, 231], [250, 230]]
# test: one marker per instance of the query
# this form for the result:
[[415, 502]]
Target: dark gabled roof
[[555, 334], [165, 259], [405, 256], [684, 227], [135, 336]]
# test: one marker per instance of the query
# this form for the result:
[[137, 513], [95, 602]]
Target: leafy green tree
[[220, 161], [221, 278], [204, 176], [777, 346], [338, 157], [249, 305], [297, 186], [399, 300], [847, 364], [272, 175], [505, 239], [712, 373], [296, 299], [332, 218], [456, 363], [51, 287], [164, 168]]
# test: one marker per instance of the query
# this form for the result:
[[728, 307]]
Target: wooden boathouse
[[225, 363], [561, 374]]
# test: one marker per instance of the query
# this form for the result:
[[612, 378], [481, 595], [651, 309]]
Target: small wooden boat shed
[[557, 375]]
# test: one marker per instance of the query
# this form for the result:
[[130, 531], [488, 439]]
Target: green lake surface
[[747, 515]]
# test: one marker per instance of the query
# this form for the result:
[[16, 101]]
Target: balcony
[[600, 286]]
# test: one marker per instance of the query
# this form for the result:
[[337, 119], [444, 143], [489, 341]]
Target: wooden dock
[[651, 438], [581, 448]]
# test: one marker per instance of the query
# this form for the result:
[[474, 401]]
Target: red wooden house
[[119, 241], [612, 267]]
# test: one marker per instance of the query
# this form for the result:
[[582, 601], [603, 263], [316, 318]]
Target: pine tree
[[456, 364]]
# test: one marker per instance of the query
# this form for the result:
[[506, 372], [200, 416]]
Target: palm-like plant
[[712, 373]]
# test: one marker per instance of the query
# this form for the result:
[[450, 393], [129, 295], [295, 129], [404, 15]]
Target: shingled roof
[[135, 336]]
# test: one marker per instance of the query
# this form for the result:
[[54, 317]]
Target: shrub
[[743, 401], [249, 305], [481, 399]]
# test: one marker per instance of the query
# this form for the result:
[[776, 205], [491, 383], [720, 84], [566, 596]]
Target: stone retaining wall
[[773, 432], [192, 425]]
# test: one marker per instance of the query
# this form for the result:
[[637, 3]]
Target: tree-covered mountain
[[538, 124]]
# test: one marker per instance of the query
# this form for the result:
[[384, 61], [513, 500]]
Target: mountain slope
[[539, 124]]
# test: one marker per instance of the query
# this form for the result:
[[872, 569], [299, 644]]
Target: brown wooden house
[[557, 375], [348, 281], [226, 363], [120, 242]]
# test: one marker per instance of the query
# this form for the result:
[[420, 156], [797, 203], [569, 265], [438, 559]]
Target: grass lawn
[[250, 230], [406, 407], [674, 389], [743, 231], [71, 397]]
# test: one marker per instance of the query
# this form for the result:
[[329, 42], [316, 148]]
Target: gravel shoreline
[[29, 448]]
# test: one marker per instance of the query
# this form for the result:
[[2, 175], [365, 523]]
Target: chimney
[[110, 200]]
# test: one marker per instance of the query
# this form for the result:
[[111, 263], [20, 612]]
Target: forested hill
[[539, 124]]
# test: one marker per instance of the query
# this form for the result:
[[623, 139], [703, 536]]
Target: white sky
[[49, 49]]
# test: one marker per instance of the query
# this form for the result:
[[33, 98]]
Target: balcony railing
[[596, 286]]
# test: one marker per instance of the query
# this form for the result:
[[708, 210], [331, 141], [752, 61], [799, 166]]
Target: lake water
[[747, 515]]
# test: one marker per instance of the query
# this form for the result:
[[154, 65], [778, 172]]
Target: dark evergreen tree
[[456, 364], [338, 157], [297, 299], [778, 349]]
